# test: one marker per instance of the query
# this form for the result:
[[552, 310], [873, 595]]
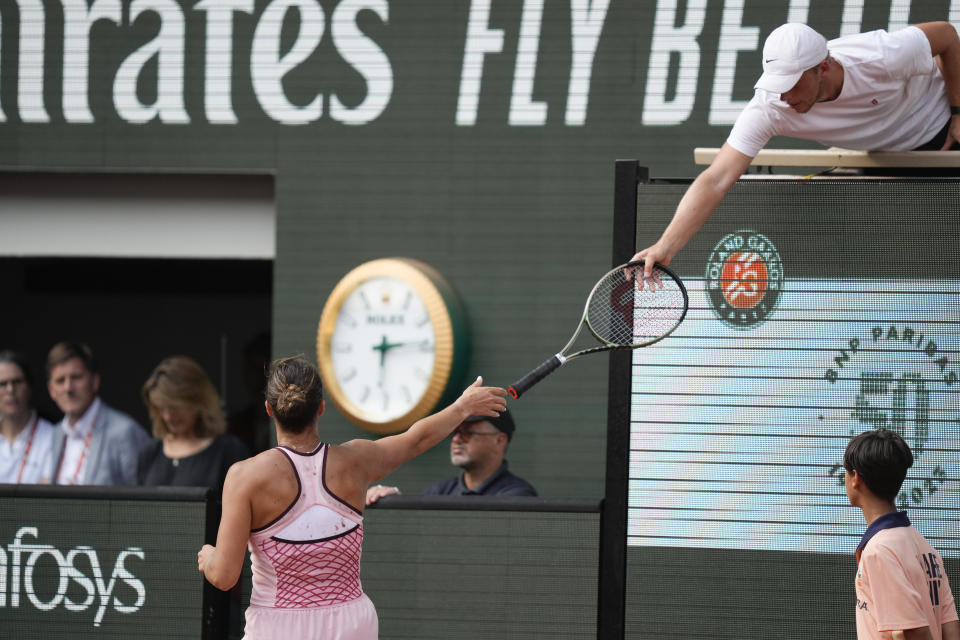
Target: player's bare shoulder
[[358, 447], [349, 452], [257, 471], [352, 456]]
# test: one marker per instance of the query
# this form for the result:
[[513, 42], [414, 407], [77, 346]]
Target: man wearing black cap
[[478, 447]]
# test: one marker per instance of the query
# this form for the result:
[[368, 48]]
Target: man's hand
[[650, 256], [953, 134], [696, 206], [377, 491]]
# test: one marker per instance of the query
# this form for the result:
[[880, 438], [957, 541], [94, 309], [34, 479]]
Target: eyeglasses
[[13, 383], [466, 433]]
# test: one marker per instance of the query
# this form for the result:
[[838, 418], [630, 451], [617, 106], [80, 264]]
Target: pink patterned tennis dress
[[306, 565]]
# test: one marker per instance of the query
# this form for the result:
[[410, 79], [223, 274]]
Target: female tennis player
[[299, 506]]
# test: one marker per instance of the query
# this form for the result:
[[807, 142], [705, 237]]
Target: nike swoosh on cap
[[770, 60]]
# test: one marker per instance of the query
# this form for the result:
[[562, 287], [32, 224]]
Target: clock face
[[382, 348], [391, 342]]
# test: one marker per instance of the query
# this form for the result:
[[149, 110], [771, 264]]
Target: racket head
[[625, 311]]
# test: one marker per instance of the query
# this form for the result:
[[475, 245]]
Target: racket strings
[[621, 314]]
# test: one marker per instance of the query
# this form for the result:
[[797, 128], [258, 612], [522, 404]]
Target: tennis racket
[[621, 315]]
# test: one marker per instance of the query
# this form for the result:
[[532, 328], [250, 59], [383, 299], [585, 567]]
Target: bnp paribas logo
[[897, 377], [744, 278]]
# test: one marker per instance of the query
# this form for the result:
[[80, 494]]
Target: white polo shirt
[[893, 99], [27, 458]]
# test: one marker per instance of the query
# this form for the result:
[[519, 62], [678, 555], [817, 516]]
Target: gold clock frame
[[431, 287]]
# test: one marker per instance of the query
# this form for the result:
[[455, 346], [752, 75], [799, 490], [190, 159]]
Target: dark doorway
[[134, 312]]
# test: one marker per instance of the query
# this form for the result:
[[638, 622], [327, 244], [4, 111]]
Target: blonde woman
[[299, 507], [191, 447]]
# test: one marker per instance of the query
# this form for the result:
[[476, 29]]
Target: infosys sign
[[297, 62], [100, 567], [81, 566]]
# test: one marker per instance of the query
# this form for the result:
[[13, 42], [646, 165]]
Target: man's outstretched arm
[[698, 203]]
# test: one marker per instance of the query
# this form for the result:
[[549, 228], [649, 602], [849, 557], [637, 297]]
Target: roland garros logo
[[744, 278], [897, 378]]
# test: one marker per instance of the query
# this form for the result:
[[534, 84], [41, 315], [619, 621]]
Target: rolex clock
[[392, 342]]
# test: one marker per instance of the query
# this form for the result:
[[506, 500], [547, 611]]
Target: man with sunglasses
[[477, 446]]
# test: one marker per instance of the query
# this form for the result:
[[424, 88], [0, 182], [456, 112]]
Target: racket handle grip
[[522, 385]]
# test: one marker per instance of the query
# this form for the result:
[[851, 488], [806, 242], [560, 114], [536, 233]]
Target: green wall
[[511, 200], [101, 562], [481, 574]]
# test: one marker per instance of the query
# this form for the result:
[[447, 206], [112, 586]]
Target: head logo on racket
[[619, 314], [744, 278]]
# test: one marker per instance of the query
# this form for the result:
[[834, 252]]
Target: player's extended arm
[[698, 203], [945, 43], [382, 456]]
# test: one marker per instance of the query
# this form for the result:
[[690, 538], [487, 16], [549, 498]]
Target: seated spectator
[[25, 447], [94, 444], [478, 446], [192, 448]]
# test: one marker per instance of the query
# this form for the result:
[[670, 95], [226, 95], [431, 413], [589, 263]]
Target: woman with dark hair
[[26, 445], [300, 509], [191, 447]]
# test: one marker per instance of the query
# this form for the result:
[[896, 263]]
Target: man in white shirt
[[873, 91], [94, 443], [25, 447]]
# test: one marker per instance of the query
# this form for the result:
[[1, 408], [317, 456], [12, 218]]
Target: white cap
[[790, 50]]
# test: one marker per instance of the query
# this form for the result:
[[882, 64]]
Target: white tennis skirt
[[354, 620]]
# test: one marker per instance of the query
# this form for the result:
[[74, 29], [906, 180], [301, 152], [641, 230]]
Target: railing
[[110, 562], [122, 562], [836, 157]]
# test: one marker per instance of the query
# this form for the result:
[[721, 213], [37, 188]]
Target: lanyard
[[83, 454], [26, 451]]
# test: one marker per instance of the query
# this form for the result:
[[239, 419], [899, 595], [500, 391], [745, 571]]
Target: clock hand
[[412, 343], [382, 348], [417, 343], [385, 346]]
